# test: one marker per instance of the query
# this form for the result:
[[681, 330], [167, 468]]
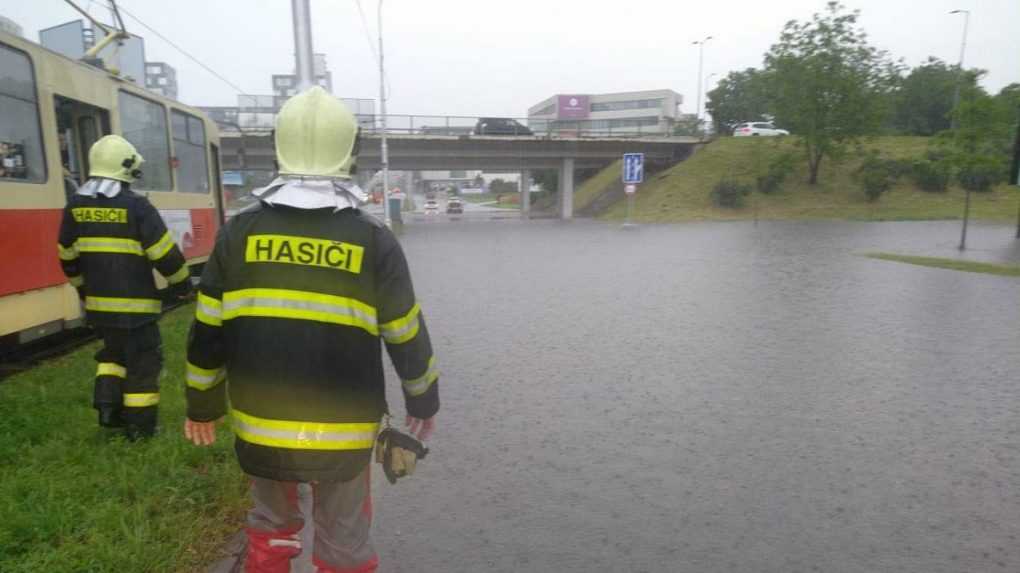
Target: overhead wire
[[372, 42], [181, 50]]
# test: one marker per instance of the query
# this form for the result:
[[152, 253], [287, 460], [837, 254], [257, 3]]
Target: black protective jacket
[[108, 247], [291, 309]]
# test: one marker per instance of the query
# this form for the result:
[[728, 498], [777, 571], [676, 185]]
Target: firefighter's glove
[[398, 453]]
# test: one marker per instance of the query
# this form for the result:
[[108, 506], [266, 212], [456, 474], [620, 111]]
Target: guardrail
[[234, 120]]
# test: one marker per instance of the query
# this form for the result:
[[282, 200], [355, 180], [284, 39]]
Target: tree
[[980, 147], [923, 100], [740, 96], [828, 85]]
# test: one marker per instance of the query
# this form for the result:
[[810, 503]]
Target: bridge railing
[[453, 125]]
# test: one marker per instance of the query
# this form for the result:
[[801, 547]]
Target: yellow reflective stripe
[[76, 281], [111, 369], [180, 276], [141, 400], [209, 310], [160, 248], [67, 253], [110, 304], [402, 329], [109, 245], [299, 305], [204, 378], [304, 435], [421, 384]]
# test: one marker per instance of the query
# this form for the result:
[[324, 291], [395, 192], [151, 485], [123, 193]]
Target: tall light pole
[[701, 61], [956, 103], [708, 82], [302, 44], [959, 65], [385, 153]]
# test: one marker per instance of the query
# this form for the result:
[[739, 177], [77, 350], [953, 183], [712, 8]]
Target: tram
[[52, 109]]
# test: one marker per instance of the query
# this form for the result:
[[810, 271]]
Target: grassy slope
[[73, 499], [596, 185], [951, 264], [681, 193]]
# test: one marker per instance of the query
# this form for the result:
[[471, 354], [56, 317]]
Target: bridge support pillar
[[567, 188], [525, 193]]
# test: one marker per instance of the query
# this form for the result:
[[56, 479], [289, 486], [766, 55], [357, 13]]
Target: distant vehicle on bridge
[[446, 130], [500, 126]]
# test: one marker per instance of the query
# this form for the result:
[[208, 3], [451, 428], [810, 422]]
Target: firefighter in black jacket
[[110, 240], [291, 308]]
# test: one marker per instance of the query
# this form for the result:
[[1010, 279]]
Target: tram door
[[79, 125]]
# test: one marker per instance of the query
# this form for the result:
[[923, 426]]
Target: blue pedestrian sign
[[633, 167]]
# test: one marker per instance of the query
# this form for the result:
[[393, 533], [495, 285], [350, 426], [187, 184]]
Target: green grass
[[74, 499], [681, 193], [952, 264], [595, 186]]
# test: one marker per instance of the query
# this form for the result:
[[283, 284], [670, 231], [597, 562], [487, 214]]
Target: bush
[[899, 167], [876, 174], [730, 194], [931, 176], [979, 174], [876, 182], [776, 173]]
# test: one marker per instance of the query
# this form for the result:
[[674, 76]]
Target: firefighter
[[110, 240], [291, 308]]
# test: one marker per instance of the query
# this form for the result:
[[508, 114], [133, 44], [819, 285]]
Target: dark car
[[500, 126]]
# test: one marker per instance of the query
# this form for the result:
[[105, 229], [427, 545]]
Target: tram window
[[189, 147], [88, 133], [143, 123], [21, 148]]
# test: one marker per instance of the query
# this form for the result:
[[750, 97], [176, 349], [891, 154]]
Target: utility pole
[[302, 44], [959, 66], [701, 63], [956, 103], [382, 108]]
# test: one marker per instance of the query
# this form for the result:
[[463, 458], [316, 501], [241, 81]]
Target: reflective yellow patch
[[304, 251], [99, 215]]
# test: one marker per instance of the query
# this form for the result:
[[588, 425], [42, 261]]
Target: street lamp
[[708, 82], [384, 149], [956, 104], [701, 60], [959, 66]]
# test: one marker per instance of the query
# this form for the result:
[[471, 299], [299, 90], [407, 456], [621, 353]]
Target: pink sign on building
[[572, 107]]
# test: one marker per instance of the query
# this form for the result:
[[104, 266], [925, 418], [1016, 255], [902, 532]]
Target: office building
[[624, 113]]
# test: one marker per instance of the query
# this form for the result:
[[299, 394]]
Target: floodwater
[[717, 397]]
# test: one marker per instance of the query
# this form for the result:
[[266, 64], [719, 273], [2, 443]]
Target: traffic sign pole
[[630, 190], [633, 173]]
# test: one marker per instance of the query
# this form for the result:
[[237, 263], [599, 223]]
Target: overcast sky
[[482, 57]]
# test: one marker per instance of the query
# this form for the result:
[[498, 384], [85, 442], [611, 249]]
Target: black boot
[[134, 432], [141, 423], [109, 417]]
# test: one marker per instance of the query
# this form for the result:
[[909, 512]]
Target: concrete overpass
[[254, 151]]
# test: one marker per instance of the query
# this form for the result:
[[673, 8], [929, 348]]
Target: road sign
[[633, 167], [630, 189]]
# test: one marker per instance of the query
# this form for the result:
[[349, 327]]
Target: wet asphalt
[[717, 397]]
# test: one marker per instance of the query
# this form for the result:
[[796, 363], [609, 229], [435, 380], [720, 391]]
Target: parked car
[[454, 207], [500, 126], [431, 207], [758, 128]]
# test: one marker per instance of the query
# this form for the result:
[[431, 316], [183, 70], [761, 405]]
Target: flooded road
[[712, 398]]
